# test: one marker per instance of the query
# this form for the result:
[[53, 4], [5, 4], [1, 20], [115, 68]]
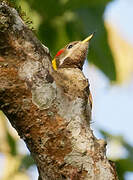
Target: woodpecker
[[73, 55]]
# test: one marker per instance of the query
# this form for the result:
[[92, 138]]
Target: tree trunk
[[49, 110]]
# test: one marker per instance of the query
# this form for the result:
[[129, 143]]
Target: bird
[[73, 55]]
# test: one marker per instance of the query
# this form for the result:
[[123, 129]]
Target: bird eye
[[70, 46]]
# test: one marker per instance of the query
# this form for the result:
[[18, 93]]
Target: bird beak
[[88, 38]]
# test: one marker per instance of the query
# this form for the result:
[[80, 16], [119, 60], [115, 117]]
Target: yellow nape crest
[[54, 64]]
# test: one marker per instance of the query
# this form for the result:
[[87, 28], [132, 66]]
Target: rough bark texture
[[49, 110]]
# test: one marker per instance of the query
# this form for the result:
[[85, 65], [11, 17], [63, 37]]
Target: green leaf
[[12, 144], [48, 34], [123, 166], [129, 148], [120, 170], [26, 162], [105, 134]]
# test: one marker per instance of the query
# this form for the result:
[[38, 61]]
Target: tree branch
[[49, 110]]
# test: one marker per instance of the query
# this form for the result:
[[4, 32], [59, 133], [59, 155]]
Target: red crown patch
[[59, 52]]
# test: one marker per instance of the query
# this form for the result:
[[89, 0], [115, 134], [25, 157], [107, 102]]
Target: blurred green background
[[56, 23]]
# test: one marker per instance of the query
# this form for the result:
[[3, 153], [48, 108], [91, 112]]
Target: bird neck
[[54, 64]]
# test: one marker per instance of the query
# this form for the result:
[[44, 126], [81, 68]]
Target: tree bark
[[49, 110]]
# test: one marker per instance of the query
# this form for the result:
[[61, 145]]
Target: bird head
[[72, 55]]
